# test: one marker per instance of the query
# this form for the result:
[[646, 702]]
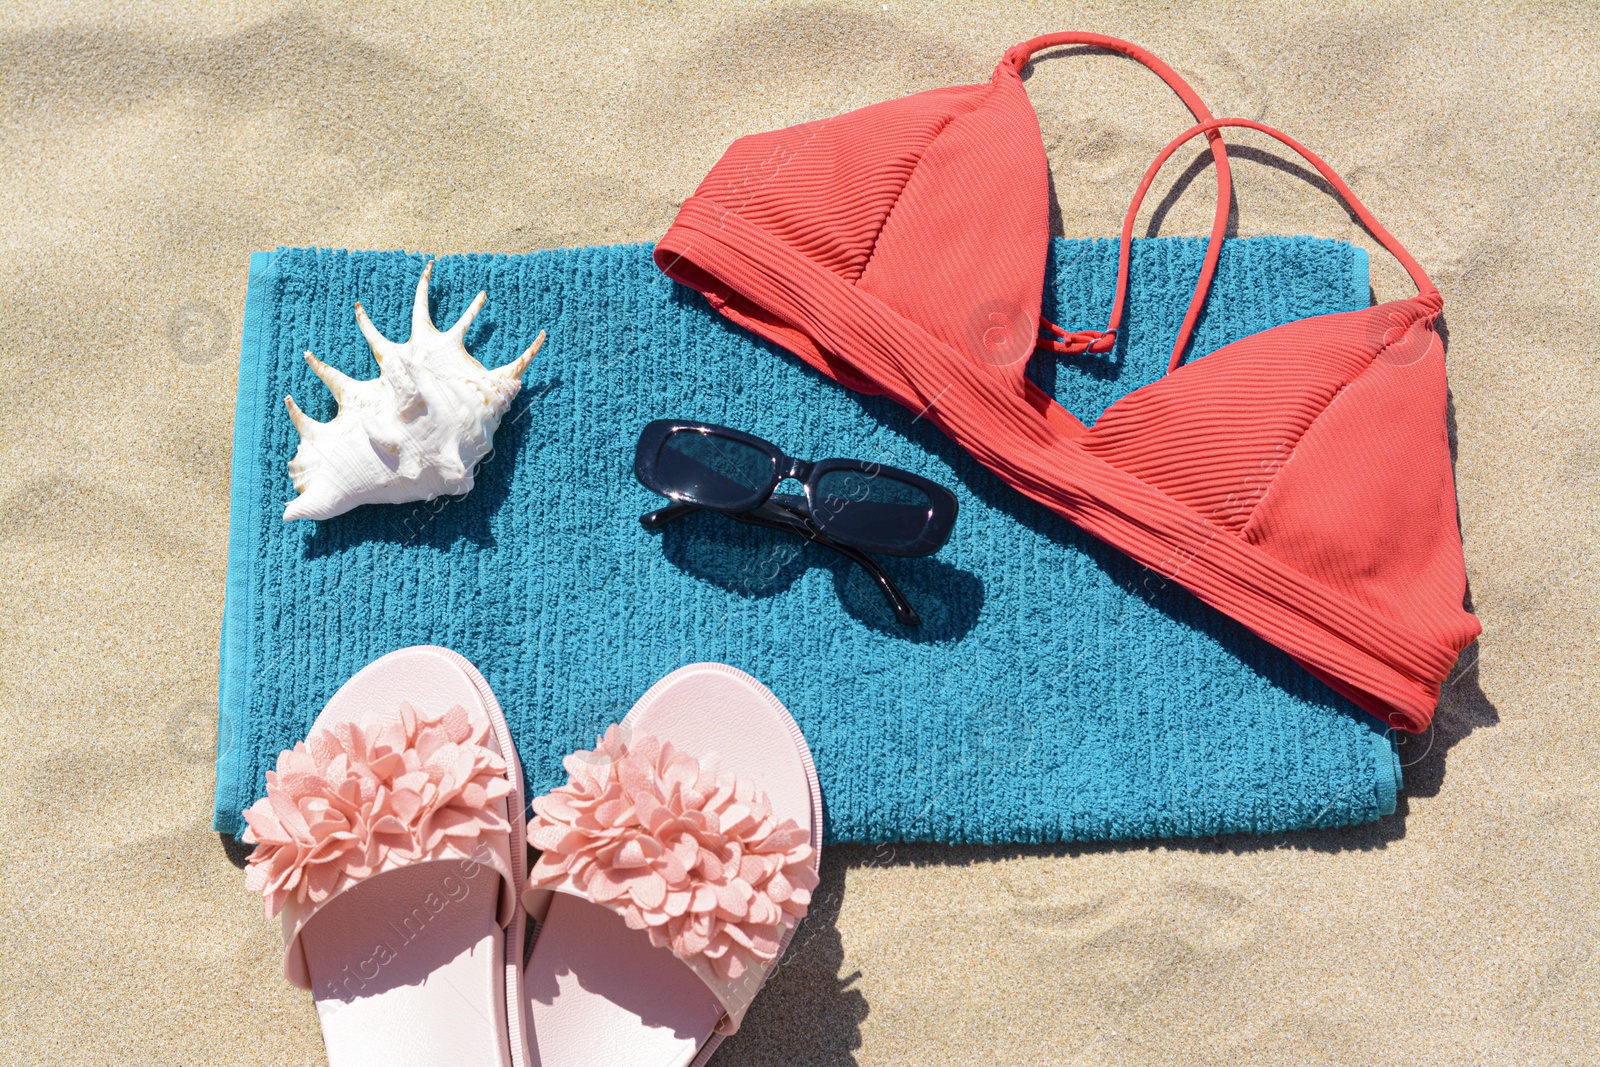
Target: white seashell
[[416, 431]]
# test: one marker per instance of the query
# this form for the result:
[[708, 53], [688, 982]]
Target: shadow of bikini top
[[1298, 480]]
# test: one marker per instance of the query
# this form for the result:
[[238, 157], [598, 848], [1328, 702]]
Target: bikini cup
[[1297, 480], [1302, 480], [1322, 443], [905, 203]]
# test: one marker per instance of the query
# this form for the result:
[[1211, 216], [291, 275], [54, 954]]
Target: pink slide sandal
[[674, 867], [390, 843]]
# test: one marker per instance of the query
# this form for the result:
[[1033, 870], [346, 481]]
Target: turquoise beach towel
[[1056, 691]]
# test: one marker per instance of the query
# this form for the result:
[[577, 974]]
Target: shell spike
[[421, 320], [459, 330], [303, 423], [341, 385], [320, 502], [512, 371], [382, 347]]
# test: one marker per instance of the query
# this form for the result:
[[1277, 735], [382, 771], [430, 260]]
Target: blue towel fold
[[1056, 691]]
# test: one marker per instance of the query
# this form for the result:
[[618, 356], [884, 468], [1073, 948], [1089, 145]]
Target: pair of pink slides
[[673, 868]]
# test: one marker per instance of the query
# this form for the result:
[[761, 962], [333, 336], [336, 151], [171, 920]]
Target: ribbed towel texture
[[1056, 690]]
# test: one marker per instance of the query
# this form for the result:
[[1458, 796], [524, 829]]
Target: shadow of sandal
[[808, 1012]]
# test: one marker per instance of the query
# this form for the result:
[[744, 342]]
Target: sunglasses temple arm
[[778, 517], [897, 601], [662, 516]]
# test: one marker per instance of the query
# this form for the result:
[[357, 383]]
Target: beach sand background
[[145, 154]]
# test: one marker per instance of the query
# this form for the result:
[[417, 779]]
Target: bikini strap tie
[[1099, 341], [1076, 344]]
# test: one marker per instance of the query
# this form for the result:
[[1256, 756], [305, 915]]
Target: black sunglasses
[[851, 506]]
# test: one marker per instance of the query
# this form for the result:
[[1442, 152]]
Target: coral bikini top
[[1298, 480]]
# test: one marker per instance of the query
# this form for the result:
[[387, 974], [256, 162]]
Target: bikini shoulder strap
[[1209, 127], [1103, 340]]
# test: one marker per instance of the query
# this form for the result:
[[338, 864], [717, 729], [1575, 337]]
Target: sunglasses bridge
[[798, 469]]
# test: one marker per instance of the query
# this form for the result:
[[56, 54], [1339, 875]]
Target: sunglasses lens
[[713, 471], [871, 510]]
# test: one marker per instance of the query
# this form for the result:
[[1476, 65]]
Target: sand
[[145, 154]]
